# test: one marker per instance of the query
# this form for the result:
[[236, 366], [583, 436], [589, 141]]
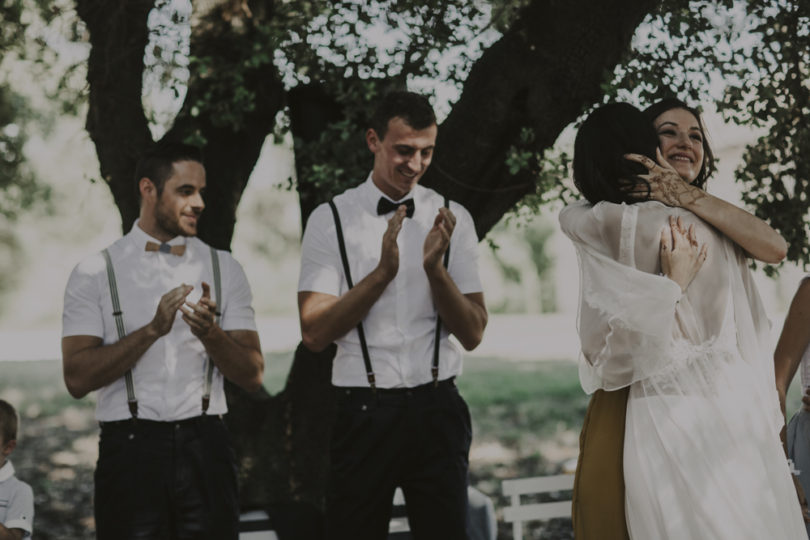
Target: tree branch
[[541, 74]]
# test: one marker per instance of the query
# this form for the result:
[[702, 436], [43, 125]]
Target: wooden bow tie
[[166, 248]]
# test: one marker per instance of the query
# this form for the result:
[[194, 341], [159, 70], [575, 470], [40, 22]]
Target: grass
[[526, 420], [508, 399]]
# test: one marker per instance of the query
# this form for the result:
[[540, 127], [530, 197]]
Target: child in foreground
[[16, 497]]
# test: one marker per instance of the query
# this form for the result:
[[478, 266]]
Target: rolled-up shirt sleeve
[[82, 314], [20, 510], [320, 259], [237, 312], [463, 263]]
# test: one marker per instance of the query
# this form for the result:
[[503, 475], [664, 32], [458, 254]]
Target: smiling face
[[680, 139], [401, 157], [177, 208]]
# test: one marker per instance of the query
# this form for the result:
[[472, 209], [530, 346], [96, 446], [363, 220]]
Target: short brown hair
[[413, 108], [8, 421], [158, 163]]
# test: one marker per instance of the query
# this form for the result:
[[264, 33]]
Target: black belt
[[157, 426], [388, 395]]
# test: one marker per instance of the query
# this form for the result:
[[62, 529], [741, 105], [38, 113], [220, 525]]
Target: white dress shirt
[[169, 378], [400, 326], [16, 501]]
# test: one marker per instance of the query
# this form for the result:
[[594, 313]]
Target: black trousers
[[166, 481], [417, 439]]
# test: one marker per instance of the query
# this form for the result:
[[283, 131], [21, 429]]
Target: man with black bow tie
[[388, 272], [166, 466]]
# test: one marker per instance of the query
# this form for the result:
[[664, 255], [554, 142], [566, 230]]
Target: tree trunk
[[115, 118]]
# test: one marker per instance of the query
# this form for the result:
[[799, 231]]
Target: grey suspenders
[[209, 373], [118, 315], [434, 369]]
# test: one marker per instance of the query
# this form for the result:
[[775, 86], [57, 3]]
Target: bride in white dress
[[702, 456]]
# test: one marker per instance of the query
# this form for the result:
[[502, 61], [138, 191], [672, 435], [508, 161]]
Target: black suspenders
[[118, 315], [360, 333]]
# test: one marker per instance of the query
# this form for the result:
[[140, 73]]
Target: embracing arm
[[746, 230], [752, 234]]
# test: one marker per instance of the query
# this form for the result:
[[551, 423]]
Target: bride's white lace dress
[[702, 458]]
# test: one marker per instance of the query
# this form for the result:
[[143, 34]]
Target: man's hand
[[170, 302], [389, 254], [200, 316], [438, 239]]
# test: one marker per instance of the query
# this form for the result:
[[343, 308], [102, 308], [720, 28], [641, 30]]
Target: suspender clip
[[435, 371], [205, 401], [133, 407]]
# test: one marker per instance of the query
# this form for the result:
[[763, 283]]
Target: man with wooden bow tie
[[131, 330]]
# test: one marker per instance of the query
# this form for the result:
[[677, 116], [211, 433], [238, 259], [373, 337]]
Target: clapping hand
[[170, 302], [438, 239], [389, 253], [200, 316]]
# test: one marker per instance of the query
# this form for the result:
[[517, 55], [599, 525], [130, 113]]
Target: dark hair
[[610, 132], [157, 163], [8, 421], [414, 108], [667, 104]]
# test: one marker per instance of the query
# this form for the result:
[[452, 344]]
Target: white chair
[[516, 513], [256, 525]]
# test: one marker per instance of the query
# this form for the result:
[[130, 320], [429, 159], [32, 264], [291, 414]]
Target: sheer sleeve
[[632, 323]]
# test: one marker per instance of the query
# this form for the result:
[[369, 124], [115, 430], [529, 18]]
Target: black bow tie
[[384, 206]]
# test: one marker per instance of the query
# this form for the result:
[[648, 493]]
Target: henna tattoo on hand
[[676, 192]]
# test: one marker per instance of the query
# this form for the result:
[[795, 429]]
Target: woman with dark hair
[[686, 339]]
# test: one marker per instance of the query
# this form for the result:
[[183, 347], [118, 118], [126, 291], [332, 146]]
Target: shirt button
[[364, 407]]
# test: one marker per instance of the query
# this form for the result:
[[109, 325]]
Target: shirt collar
[[141, 237], [372, 193], [6, 471]]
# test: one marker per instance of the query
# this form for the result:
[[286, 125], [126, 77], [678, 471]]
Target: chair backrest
[[516, 513], [256, 525]]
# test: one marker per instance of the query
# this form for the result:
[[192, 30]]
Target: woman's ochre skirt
[[598, 498]]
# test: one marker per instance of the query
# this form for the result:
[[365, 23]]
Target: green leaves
[[752, 60]]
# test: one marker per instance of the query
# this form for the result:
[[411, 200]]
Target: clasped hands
[[199, 316], [436, 242]]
